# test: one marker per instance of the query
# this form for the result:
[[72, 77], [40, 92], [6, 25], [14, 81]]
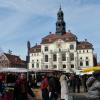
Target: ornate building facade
[[61, 50]]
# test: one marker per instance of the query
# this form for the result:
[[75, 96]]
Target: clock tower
[[60, 24]]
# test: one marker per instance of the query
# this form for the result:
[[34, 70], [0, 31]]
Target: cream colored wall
[[53, 46], [65, 47], [85, 54], [35, 57]]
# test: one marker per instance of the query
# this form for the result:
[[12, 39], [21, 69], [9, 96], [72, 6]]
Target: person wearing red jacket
[[44, 88]]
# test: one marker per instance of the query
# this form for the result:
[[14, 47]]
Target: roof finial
[[69, 31], [60, 7]]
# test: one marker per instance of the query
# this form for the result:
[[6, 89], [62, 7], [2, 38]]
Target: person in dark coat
[[54, 87], [78, 83], [22, 88], [58, 85], [72, 80], [84, 79], [1, 87]]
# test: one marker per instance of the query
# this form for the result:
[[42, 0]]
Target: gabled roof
[[84, 45], [67, 36], [13, 59], [36, 48]]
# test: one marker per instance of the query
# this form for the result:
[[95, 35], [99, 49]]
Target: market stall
[[8, 76], [19, 70]]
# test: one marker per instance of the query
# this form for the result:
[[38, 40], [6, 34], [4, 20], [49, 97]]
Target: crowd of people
[[56, 86]]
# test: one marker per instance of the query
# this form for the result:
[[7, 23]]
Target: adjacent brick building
[[10, 60]]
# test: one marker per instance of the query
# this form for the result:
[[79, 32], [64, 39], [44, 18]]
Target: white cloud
[[81, 16]]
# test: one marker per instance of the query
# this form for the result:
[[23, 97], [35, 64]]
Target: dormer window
[[46, 48], [71, 47], [87, 50]]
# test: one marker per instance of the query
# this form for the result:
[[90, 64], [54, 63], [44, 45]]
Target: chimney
[[49, 32], [69, 31]]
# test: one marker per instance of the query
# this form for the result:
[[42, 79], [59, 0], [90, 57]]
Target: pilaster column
[[59, 60]]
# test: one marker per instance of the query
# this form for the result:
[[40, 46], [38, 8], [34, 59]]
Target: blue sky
[[23, 20]]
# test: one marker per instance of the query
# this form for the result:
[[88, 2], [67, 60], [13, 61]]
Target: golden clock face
[[59, 45]]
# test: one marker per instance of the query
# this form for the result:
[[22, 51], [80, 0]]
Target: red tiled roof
[[68, 36], [14, 60], [84, 45], [36, 48]]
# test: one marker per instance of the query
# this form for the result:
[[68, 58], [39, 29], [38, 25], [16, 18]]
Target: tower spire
[[60, 7], [60, 24]]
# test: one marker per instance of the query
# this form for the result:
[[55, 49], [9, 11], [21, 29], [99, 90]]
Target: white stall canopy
[[13, 70]]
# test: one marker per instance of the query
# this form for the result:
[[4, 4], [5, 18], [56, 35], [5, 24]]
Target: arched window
[[46, 58], [71, 56], [81, 63], [87, 63], [64, 57], [54, 57], [32, 65]]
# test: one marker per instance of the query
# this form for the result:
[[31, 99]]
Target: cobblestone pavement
[[72, 96]]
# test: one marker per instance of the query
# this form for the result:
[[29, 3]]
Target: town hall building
[[61, 50]]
